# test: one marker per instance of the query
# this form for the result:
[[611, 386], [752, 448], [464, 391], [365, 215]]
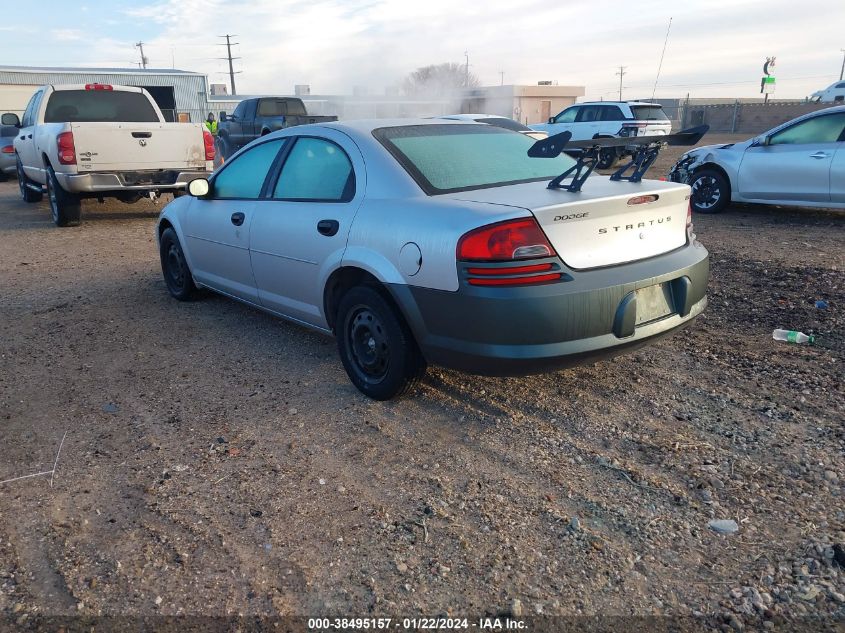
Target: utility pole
[[144, 60], [842, 71], [502, 74], [621, 73], [466, 70], [232, 73]]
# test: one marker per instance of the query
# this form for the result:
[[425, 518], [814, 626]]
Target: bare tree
[[439, 80]]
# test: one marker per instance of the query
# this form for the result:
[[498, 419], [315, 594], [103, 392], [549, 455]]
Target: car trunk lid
[[606, 223]]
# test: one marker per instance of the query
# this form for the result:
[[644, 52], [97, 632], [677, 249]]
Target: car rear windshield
[[100, 106], [281, 107], [508, 124], [449, 158], [649, 113]]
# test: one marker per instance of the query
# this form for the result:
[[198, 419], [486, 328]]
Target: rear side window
[[649, 113], [316, 169], [244, 176], [611, 113], [820, 129], [588, 114], [99, 106], [280, 107]]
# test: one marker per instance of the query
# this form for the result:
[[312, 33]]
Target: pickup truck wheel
[[27, 193], [174, 267], [710, 191], [65, 207], [376, 347]]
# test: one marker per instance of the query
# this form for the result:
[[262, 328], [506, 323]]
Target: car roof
[[368, 125], [470, 117], [629, 103]]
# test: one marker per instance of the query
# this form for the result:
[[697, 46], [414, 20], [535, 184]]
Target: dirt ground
[[217, 461]]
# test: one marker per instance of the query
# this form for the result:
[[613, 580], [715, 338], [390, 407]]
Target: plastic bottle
[[791, 336]]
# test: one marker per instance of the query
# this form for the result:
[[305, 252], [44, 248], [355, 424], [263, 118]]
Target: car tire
[[27, 194], [607, 158], [174, 268], [376, 346], [711, 191], [66, 208]]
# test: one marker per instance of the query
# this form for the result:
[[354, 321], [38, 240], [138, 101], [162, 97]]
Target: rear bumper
[[163, 179], [525, 330]]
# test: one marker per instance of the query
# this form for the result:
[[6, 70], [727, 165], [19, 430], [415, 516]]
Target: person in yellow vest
[[211, 124]]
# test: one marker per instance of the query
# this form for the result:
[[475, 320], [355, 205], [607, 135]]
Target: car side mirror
[[10, 118], [551, 119], [199, 187], [224, 117]]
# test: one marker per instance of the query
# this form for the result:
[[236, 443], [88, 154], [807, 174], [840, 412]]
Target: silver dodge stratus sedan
[[425, 241]]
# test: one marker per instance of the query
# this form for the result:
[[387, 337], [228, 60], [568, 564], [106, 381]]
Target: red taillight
[[98, 87], [510, 270], [67, 150], [8, 149], [505, 241], [514, 281], [208, 139]]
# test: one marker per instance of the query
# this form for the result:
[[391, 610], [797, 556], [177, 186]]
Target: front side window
[[448, 158], [100, 106], [244, 176], [316, 169], [567, 116], [820, 129]]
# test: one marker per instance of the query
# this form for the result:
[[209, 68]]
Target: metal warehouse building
[[177, 92]]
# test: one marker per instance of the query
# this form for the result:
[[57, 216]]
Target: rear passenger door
[[299, 232], [611, 118], [586, 123]]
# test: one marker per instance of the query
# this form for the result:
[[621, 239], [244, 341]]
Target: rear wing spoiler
[[645, 150]]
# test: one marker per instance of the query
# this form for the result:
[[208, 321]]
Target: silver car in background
[[8, 164], [430, 241], [799, 163]]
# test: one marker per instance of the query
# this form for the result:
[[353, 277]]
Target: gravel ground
[[217, 461]]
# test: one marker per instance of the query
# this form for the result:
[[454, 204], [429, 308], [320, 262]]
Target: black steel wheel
[[376, 347], [174, 267]]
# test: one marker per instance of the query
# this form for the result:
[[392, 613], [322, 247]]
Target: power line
[[229, 57], [660, 66]]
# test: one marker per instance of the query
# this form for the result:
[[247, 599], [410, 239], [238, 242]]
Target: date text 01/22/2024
[[482, 624]]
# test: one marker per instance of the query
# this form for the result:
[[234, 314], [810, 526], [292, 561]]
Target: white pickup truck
[[101, 141]]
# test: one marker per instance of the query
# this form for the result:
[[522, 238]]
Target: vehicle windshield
[[99, 106], [448, 158], [649, 113], [508, 124]]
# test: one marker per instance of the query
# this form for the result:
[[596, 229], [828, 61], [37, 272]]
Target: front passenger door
[[217, 227]]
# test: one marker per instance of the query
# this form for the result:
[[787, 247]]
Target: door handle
[[23, 137], [820, 155], [238, 218], [29, 136], [328, 227]]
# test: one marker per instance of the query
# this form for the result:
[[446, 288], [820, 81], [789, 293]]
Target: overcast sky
[[716, 48]]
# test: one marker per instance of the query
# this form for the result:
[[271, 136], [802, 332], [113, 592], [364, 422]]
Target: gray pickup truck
[[259, 116]]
